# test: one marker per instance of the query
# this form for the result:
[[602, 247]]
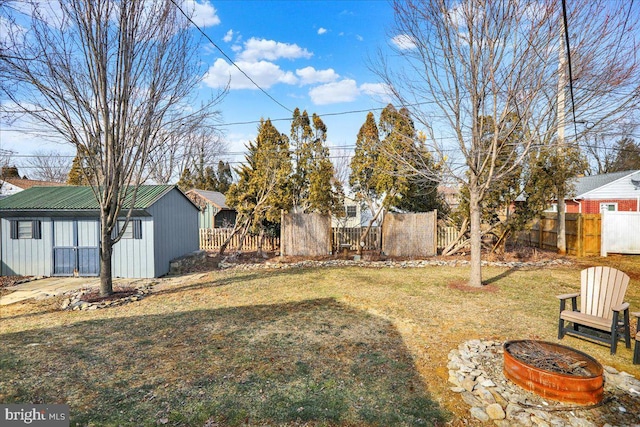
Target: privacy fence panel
[[582, 233], [305, 234], [410, 234], [620, 233]]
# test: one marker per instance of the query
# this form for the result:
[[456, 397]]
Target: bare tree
[[114, 78], [461, 63], [194, 148], [49, 166]]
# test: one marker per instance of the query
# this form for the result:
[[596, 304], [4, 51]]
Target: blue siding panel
[[26, 257], [175, 229]]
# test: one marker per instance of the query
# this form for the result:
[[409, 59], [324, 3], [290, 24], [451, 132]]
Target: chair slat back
[[601, 289]]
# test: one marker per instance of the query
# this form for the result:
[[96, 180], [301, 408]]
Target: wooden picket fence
[[446, 235], [351, 235], [213, 238]]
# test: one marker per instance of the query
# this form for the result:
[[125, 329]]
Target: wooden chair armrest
[[622, 307], [567, 296], [635, 313]]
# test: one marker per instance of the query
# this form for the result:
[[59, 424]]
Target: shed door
[[76, 247]]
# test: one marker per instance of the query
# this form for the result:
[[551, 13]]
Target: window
[[351, 211], [608, 207], [133, 230], [21, 229]]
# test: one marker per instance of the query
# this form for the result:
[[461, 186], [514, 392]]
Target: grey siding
[[27, 257], [133, 258], [175, 229]]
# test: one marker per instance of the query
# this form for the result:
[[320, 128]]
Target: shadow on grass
[[317, 362], [500, 276]]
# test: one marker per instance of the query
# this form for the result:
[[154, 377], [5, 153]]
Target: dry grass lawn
[[332, 346]]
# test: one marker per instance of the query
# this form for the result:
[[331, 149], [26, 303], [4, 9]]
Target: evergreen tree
[[80, 173], [325, 193], [301, 141], [186, 181], [627, 156], [263, 189], [225, 177], [10, 172]]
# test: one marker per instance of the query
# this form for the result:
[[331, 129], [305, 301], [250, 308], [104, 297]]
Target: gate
[[76, 247], [620, 233]]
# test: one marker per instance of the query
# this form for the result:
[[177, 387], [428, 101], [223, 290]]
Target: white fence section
[[620, 233]]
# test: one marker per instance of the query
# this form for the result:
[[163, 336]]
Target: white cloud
[[204, 14], [264, 73], [257, 49], [336, 92], [359, 37], [228, 37], [322, 30], [377, 90], [404, 42], [310, 75]]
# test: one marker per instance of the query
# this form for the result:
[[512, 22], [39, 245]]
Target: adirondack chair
[[636, 347], [601, 302]]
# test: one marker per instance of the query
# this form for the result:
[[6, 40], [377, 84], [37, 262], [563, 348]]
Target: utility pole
[[561, 232]]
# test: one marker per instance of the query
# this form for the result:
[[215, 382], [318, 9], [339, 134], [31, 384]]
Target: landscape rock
[[479, 413], [495, 411], [482, 385]]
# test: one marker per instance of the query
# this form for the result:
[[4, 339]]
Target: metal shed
[[55, 231]]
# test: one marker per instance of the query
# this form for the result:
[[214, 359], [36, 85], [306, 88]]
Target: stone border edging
[[475, 370], [386, 264], [74, 300]]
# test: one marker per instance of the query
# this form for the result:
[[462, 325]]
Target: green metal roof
[[75, 198]]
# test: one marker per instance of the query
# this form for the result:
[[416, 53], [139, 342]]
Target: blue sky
[[306, 54]]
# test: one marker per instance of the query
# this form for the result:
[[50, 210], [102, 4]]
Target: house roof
[[28, 183], [73, 198], [586, 184], [214, 197]]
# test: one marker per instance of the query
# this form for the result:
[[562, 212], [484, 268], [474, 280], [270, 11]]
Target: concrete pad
[[50, 286]]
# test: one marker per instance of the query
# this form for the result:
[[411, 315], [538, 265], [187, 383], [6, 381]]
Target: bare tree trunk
[[106, 252], [238, 225], [475, 210], [261, 238], [363, 236], [561, 223]]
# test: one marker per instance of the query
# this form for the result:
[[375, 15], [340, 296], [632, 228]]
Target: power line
[[228, 58]]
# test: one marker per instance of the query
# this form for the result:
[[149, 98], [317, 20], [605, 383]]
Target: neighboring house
[[55, 231], [11, 186], [353, 215], [214, 212], [617, 191], [450, 195]]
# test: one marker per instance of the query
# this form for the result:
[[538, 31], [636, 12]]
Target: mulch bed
[[118, 292], [11, 280]]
